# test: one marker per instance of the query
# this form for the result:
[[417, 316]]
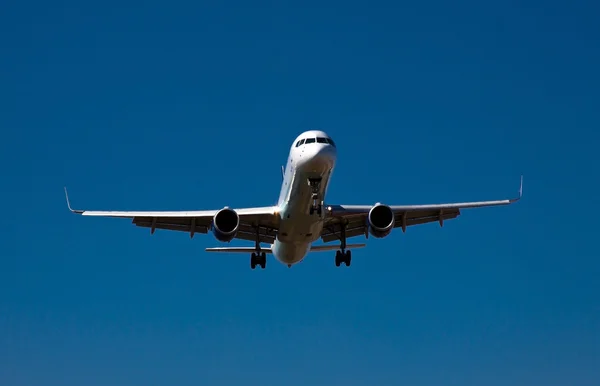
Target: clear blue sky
[[175, 105]]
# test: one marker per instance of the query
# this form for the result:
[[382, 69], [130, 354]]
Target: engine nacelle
[[225, 224], [381, 220]]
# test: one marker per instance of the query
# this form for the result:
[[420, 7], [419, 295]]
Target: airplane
[[301, 216]]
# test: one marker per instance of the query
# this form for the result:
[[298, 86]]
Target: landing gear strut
[[315, 184], [343, 255], [258, 257]]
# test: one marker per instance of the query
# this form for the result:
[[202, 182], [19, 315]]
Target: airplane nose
[[321, 158], [325, 154]]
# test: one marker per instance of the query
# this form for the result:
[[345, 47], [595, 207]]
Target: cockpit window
[[313, 140]]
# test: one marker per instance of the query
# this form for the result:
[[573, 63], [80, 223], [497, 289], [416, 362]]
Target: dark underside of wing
[[193, 225], [356, 224]]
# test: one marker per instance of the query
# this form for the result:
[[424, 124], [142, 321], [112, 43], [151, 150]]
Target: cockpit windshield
[[306, 141]]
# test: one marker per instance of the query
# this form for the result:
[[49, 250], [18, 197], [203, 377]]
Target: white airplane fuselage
[[298, 228]]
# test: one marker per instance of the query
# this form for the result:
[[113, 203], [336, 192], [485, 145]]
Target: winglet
[[520, 191], [69, 203]]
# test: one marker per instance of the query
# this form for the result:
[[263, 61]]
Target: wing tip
[[520, 191], [69, 203]]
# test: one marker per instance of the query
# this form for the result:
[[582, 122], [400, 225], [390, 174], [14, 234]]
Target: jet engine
[[225, 224], [381, 220]]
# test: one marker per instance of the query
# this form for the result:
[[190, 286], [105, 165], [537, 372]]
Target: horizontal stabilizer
[[315, 248], [322, 248], [238, 249]]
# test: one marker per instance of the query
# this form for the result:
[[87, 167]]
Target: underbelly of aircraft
[[290, 253], [297, 224]]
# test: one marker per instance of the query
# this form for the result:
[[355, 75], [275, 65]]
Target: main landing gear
[[258, 257], [315, 185], [343, 255]]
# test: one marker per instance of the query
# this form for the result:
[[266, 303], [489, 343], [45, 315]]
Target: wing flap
[[245, 232], [183, 224], [336, 232], [354, 228], [251, 236]]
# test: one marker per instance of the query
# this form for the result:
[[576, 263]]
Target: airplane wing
[[265, 218], [355, 216]]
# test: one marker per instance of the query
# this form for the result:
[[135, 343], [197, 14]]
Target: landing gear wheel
[[343, 257], [258, 259], [348, 258]]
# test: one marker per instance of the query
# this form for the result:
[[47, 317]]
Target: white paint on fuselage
[[298, 229]]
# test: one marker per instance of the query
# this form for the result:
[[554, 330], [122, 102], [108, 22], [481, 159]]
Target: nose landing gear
[[317, 206]]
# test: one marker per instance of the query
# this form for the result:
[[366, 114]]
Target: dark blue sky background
[[180, 105]]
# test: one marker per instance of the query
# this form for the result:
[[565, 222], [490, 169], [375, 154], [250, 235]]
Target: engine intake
[[381, 220], [225, 224]]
